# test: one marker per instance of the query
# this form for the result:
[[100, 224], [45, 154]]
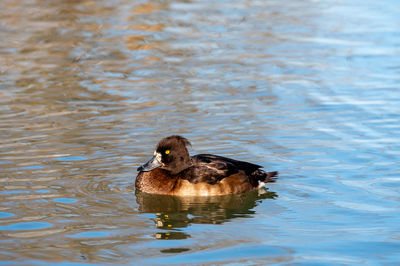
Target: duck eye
[[167, 151]]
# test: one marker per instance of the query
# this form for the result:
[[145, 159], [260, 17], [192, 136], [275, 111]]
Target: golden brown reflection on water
[[67, 69], [179, 212]]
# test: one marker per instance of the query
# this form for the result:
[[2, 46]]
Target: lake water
[[309, 88]]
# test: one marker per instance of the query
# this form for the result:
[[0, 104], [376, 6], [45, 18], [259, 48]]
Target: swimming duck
[[173, 171]]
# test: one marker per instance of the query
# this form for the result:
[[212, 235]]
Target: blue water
[[308, 88]]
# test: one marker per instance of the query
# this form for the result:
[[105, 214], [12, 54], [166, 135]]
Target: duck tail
[[270, 176], [260, 177]]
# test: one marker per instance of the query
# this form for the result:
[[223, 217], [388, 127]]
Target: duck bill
[[153, 163]]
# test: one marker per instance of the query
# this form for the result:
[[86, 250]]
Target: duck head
[[171, 154]]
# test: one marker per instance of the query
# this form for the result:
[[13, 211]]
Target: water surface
[[308, 88]]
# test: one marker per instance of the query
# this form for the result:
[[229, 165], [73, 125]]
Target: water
[[308, 88]]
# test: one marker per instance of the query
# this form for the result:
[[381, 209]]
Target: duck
[[172, 171]]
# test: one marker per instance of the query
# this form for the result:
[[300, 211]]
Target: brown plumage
[[173, 171]]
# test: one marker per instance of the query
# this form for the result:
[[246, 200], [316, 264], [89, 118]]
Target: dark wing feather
[[212, 168]]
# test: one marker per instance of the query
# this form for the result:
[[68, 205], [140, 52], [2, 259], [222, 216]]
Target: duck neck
[[180, 167]]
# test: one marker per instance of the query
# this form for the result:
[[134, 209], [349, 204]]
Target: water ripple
[[308, 88]]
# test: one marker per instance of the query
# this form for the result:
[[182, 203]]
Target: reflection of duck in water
[[173, 172], [174, 212]]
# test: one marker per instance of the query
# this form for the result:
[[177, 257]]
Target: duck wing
[[211, 168]]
